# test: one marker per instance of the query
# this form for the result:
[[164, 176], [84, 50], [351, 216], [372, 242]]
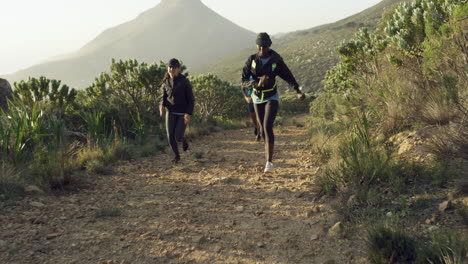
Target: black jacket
[[274, 67], [178, 99]]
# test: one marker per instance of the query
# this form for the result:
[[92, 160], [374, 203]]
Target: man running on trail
[[259, 74]]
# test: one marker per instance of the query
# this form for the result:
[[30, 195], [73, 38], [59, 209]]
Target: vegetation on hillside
[[52, 133], [196, 35], [309, 53], [408, 74]]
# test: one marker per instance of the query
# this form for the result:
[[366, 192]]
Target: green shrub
[[359, 214], [385, 246], [463, 213], [21, 130], [216, 98], [325, 106], [362, 163], [128, 95], [96, 166], [326, 137], [440, 106], [118, 149], [424, 86], [11, 182], [117, 114], [59, 99], [444, 248], [449, 141], [291, 105], [96, 126], [439, 172], [51, 166], [390, 245], [407, 75], [90, 156]]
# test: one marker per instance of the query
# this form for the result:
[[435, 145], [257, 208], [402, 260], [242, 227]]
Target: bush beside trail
[[391, 127], [52, 133]]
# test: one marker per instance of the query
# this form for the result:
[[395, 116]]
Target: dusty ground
[[214, 207]]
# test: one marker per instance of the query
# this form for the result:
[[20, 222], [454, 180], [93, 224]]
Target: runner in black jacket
[[177, 104], [259, 74]]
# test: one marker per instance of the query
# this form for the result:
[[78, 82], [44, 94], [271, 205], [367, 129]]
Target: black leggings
[[175, 129], [266, 114]]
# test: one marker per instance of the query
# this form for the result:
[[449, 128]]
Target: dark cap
[[263, 39], [174, 63]]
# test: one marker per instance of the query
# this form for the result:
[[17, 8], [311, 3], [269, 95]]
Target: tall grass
[[35, 142], [55, 159], [96, 125], [139, 127], [450, 141], [11, 183], [387, 244], [20, 129], [90, 157], [361, 162], [444, 248], [399, 88]]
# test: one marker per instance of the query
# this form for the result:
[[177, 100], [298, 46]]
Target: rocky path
[[214, 207]]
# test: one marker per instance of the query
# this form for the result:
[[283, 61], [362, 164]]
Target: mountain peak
[[172, 28], [165, 2]]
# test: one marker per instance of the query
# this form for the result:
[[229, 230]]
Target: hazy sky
[[34, 30]]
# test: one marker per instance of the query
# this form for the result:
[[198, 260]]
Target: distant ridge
[[309, 53], [186, 29]]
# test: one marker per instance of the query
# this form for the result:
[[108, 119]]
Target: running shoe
[[185, 145], [175, 160], [269, 167]]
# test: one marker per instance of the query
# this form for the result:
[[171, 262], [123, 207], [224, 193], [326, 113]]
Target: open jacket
[[254, 69], [178, 98]]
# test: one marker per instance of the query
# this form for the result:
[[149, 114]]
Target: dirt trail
[[214, 207]]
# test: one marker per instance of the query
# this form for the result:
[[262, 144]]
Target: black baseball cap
[[264, 40], [174, 63]]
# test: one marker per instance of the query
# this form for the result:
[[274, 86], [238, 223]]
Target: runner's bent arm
[[285, 74]]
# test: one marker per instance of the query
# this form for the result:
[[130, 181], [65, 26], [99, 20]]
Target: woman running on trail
[[259, 74], [177, 105]]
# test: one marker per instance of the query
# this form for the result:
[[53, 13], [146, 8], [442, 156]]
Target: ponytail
[[165, 78]]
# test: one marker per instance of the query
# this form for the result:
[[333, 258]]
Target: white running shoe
[[269, 167]]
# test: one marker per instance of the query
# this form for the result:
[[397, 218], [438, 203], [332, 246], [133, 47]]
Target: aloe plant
[[20, 128], [96, 124]]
